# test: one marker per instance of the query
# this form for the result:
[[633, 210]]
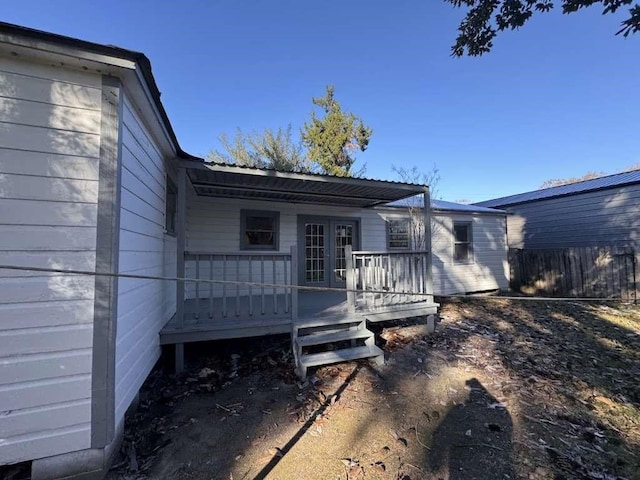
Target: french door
[[322, 256]]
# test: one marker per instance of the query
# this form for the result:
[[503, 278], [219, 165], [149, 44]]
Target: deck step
[[332, 337], [343, 355], [329, 320]]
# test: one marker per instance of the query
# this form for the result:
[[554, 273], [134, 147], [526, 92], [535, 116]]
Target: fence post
[[634, 264]]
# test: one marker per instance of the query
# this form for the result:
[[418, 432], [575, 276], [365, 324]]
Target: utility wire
[[296, 287]]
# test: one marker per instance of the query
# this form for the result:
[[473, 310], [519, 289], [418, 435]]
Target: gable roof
[[601, 183], [52, 44], [443, 206], [463, 208]]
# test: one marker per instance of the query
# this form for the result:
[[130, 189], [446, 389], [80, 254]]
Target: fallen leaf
[[275, 451], [349, 462]]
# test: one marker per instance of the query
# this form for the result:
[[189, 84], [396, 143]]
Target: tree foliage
[[415, 204], [333, 139], [485, 18], [267, 149], [558, 182]]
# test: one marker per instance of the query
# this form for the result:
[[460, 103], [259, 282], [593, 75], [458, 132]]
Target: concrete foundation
[[90, 464]]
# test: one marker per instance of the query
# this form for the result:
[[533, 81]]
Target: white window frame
[[170, 207], [274, 215], [407, 222], [469, 242]]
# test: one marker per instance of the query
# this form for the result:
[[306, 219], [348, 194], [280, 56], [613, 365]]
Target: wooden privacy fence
[[602, 272]]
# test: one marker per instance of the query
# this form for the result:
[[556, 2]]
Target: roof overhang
[[230, 181]]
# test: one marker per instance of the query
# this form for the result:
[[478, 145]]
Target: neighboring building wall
[[603, 217], [489, 269], [144, 306], [49, 157]]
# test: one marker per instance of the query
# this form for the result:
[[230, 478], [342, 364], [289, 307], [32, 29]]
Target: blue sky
[[556, 99]]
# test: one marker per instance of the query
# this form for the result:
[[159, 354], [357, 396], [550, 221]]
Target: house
[[86, 154], [93, 179], [255, 228], [469, 245], [603, 211]]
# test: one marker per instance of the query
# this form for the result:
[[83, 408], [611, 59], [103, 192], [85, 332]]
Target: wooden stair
[[323, 341]]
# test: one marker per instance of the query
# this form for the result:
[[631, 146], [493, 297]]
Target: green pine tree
[[333, 140]]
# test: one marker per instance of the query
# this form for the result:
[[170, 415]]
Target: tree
[[558, 182], [334, 139], [630, 168], [415, 204], [485, 18], [268, 149]]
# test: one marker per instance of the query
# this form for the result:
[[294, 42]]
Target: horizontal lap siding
[[489, 268], [143, 306], [213, 225], [49, 157], [605, 217]]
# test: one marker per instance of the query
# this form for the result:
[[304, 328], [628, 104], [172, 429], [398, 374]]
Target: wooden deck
[[257, 315]]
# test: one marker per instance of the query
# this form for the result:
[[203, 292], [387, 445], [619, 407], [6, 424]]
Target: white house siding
[[489, 269], [144, 306], [603, 217], [49, 156], [213, 225]]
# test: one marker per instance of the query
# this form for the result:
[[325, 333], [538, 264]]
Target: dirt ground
[[504, 389]]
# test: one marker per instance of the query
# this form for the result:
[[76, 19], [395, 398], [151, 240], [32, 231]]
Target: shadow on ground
[[504, 389], [455, 446]]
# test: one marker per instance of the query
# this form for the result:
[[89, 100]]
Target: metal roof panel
[[609, 181]]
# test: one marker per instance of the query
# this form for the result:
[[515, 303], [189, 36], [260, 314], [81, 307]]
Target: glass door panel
[[322, 250], [343, 236], [314, 265]]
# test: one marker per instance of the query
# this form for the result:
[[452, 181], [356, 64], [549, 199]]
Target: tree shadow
[[474, 439]]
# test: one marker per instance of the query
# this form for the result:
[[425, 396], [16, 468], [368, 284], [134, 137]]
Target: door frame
[[329, 253]]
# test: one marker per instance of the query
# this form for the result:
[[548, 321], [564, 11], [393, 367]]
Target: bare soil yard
[[504, 389]]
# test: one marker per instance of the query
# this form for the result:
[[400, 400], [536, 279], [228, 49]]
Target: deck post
[[180, 270], [351, 277], [428, 281], [294, 283]]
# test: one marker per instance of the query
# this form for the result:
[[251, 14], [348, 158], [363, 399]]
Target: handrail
[[383, 279], [249, 294], [256, 253], [388, 252]]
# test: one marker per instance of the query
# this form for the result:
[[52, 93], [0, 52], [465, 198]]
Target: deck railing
[[240, 283], [386, 279]]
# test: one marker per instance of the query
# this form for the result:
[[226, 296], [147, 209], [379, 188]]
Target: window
[[170, 207], [259, 230], [398, 234], [462, 243]]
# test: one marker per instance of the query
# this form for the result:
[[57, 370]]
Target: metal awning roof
[[231, 181]]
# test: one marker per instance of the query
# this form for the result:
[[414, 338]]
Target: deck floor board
[[253, 316]]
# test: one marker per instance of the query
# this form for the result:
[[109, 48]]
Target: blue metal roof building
[[609, 181]]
